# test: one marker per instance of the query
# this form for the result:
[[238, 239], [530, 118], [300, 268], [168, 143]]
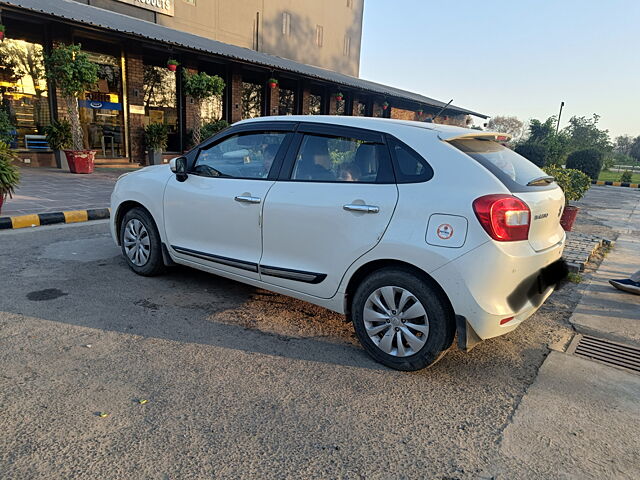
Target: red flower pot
[[273, 84], [172, 67], [1, 202], [80, 161], [1, 35], [339, 99], [568, 217]]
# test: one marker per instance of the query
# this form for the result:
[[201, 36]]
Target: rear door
[[333, 202], [526, 181]]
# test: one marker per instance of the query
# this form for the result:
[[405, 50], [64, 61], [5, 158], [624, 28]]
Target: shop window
[[319, 35], [101, 112], [23, 89], [286, 101], [315, 104], [160, 102], [286, 24], [251, 100]]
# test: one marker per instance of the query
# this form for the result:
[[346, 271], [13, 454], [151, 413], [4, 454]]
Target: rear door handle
[[362, 208], [247, 199]]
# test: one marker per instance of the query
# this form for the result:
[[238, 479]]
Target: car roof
[[388, 125]]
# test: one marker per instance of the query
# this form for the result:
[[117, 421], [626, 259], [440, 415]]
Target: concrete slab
[[604, 311], [578, 420]]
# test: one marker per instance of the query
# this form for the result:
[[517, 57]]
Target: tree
[[73, 73], [507, 124], [634, 151], [623, 144], [551, 145], [200, 86], [583, 133]]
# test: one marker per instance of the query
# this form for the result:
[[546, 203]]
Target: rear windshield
[[499, 159]]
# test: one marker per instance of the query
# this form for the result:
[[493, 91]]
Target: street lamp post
[[559, 115]]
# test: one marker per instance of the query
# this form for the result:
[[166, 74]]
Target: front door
[[333, 207], [214, 217]]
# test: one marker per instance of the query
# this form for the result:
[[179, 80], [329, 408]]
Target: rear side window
[[324, 158], [410, 167], [503, 162]]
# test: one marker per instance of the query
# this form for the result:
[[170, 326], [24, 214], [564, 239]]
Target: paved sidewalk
[[44, 190]]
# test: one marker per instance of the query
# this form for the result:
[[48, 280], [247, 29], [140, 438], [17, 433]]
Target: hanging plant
[[273, 82], [420, 111], [385, 105], [2, 29], [172, 65], [339, 96]]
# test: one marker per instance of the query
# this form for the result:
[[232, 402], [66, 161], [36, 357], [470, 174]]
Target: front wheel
[[140, 241], [402, 321]]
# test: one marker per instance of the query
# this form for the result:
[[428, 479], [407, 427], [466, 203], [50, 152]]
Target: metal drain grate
[[601, 350]]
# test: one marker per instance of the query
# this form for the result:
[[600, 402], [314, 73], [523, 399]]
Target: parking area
[[240, 382]]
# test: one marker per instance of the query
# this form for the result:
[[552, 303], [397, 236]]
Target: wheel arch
[[125, 207], [364, 270]]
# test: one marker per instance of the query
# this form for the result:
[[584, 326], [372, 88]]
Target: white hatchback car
[[414, 231]]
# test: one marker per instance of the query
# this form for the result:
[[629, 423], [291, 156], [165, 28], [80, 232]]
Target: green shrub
[[6, 128], [588, 161], [9, 174], [59, 135], [156, 136], [574, 183], [534, 152], [211, 128], [626, 176]]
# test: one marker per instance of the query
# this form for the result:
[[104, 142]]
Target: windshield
[[508, 162]]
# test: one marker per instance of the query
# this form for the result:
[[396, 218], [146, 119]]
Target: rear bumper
[[495, 282]]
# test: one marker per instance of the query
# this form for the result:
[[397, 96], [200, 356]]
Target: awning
[[80, 13]]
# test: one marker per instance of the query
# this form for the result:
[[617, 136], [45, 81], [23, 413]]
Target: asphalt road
[[240, 382]]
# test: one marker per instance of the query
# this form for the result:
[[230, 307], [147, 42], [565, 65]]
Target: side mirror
[[178, 166]]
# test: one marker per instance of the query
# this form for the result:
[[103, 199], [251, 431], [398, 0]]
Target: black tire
[[441, 322], [154, 264]]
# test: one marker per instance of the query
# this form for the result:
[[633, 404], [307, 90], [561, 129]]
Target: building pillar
[[235, 95], [273, 100], [305, 101], [135, 97], [189, 107]]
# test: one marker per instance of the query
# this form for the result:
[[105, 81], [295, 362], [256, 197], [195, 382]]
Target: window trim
[[391, 140], [277, 161], [332, 131]]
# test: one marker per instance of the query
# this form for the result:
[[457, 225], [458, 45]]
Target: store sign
[[161, 6]]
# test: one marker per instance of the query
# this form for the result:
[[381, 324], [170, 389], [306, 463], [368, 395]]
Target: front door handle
[[362, 208], [247, 199]]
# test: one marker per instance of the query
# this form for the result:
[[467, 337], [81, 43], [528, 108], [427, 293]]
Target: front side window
[[240, 156], [339, 159]]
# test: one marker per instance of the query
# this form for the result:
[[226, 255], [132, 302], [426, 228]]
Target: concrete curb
[[70, 216], [615, 184]]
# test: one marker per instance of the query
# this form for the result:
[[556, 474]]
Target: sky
[[517, 57]]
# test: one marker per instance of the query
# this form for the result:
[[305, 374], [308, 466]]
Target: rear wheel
[[402, 321], [140, 243]]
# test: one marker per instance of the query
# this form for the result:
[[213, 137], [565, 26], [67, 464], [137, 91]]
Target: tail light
[[504, 217]]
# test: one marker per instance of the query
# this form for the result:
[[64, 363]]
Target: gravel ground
[[240, 382]]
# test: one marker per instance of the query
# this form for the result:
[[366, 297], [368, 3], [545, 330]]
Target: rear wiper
[[537, 182]]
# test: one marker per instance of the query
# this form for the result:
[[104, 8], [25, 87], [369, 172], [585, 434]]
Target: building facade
[[324, 33], [135, 87]]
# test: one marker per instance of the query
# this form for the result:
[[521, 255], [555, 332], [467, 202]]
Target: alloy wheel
[[396, 321]]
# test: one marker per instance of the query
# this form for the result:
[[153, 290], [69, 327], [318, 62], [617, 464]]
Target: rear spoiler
[[477, 134]]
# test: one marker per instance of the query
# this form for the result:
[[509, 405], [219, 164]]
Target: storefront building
[[136, 88]]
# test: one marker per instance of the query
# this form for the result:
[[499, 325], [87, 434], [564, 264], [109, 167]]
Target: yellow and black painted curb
[[616, 184], [70, 216]]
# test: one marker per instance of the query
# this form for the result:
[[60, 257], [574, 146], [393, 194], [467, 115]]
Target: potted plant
[[273, 82], [156, 136], [172, 64], [9, 174], [200, 86], [59, 138], [2, 29], [575, 184], [73, 74], [339, 96], [385, 105], [420, 112]]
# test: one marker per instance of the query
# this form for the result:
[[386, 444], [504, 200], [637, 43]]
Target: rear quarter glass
[[512, 169]]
